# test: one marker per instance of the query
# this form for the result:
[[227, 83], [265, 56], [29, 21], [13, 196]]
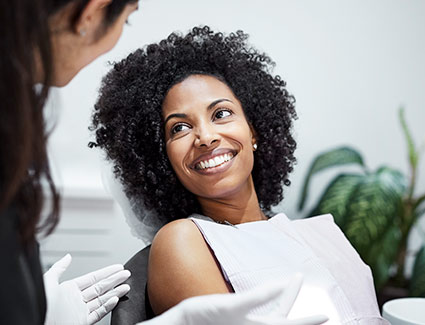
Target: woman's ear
[[91, 17], [253, 136]]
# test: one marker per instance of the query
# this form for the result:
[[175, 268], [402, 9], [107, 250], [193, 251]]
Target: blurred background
[[350, 65]]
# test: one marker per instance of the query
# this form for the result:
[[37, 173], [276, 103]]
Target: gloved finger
[[99, 301], [105, 285], [287, 299], [256, 297], [102, 311], [267, 320], [91, 278], [57, 269]]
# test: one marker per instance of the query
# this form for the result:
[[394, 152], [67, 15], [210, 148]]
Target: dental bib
[[336, 281]]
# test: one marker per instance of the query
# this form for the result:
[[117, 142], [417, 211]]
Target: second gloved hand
[[235, 308], [84, 300]]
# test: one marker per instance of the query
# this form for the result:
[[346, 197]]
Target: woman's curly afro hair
[[129, 125]]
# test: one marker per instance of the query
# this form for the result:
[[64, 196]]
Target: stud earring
[[254, 146], [82, 32]]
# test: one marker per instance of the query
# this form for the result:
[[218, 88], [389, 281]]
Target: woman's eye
[[222, 114], [178, 128]]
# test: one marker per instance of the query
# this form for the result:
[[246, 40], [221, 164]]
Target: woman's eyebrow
[[218, 101], [178, 115], [182, 115]]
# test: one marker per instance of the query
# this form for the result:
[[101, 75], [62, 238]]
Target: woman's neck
[[239, 207]]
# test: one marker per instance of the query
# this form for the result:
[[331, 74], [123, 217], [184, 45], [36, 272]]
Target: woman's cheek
[[176, 154]]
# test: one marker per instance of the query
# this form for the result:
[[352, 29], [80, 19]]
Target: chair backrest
[[134, 307]]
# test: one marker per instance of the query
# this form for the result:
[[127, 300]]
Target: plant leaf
[[374, 204], [382, 253], [420, 212], [417, 281], [336, 197], [413, 154], [331, 158], [371, 217], [392, 179], [419, 201]]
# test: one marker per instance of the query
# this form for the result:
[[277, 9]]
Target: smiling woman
[[140, 83], [197, 126]]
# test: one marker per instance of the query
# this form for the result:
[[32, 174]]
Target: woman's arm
[[181, 266]]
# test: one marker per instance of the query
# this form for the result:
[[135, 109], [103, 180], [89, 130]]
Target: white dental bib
[[336, 281]]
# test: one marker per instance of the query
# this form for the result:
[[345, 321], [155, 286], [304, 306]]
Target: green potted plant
[[376, 210]]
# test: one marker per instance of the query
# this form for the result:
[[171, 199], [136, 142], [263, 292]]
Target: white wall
[[350, 65]]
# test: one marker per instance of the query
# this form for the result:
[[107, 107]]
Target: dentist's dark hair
[[25, 179], [25, 50]]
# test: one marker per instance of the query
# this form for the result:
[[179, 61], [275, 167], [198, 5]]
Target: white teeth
[[216, 161]]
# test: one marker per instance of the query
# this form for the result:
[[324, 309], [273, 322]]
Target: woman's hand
[[84, 300], [234, 309]]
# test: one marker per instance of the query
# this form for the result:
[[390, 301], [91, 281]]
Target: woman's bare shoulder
[[181, 265]]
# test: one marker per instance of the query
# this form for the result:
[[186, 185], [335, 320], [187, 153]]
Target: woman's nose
[[206, 137]]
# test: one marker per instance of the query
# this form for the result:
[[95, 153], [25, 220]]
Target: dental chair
[[135, 307]]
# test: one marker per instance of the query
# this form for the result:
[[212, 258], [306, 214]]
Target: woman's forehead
[[195, 91]]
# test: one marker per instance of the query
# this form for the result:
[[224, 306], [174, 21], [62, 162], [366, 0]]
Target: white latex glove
[[86, 299], [234, 308]]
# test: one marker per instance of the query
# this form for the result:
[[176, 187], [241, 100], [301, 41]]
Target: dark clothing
[[22, 296]]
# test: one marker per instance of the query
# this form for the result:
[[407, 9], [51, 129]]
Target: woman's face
[[208, 139]]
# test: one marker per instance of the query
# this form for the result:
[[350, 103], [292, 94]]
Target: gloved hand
[[233, 309], [86, 299]]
